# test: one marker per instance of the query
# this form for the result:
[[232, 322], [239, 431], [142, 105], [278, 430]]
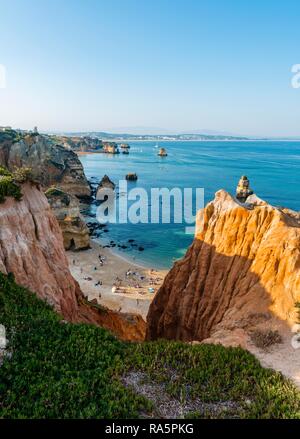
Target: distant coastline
[[119, 138]]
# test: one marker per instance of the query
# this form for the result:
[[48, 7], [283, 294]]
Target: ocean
[[272, 167]]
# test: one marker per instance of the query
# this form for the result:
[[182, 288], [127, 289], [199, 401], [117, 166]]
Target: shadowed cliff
[[243, 268], [31, 247]]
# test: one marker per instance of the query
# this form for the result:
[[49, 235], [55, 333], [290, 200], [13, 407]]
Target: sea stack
[[131, 177], [243, 189], [124, 146], [162, 152], [104, 184], [110, 148]]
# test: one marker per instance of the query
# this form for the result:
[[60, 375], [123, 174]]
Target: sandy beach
[[114, 281]]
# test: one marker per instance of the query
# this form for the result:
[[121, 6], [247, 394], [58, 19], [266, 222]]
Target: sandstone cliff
[[104, 184], [242, 269], [79, 143], [51, 163], [66, 209], [31, 247]]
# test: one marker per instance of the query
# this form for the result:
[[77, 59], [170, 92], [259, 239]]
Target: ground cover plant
[[54, 369]]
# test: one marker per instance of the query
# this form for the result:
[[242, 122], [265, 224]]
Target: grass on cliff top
[[54, 369], [10, 182], [8, 188]]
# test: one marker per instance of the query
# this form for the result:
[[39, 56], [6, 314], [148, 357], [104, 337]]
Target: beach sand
[[108, 283], [135, 300]]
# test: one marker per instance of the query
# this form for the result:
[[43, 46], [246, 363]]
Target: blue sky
[[172, 64]]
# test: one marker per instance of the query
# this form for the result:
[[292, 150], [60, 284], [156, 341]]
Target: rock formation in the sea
[[242, 269], [51, 163], [31, 247], [66, 209], [243, 189], [104, 184], [162, 152], [110, 148], [131, 176]]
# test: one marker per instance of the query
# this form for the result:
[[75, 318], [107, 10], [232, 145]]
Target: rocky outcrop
[[79, 143], [162, 152], [243, 189], [31, 247], [131, 176], [66, 209], [104, 184], [110, 148], [51, 163], [242, 269]]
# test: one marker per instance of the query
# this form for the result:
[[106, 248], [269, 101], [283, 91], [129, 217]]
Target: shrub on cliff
[[8, 188], [23, 174], [10, 182], [62, 370], [55, 192], [4, 172]]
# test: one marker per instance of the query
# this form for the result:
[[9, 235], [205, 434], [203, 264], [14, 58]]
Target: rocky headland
[[51, 163], [241, 274], [79, 143]]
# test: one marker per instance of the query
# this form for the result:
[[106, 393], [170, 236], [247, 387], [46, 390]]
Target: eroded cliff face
[[66, 209], [51, 163], [31, 247], [242, 269]]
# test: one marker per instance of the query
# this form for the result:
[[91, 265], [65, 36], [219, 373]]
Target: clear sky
[[180, 65]]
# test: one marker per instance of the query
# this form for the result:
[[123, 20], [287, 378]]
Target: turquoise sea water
[[272, 167]]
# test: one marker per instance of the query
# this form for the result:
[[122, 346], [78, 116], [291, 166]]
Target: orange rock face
[[31, 247], [243, 268]]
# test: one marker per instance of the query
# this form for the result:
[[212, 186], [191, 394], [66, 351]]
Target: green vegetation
[[10, 182], [53, 191], [4, 172], [8, 188], [21, 175], [61, 370], [58, 370]]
